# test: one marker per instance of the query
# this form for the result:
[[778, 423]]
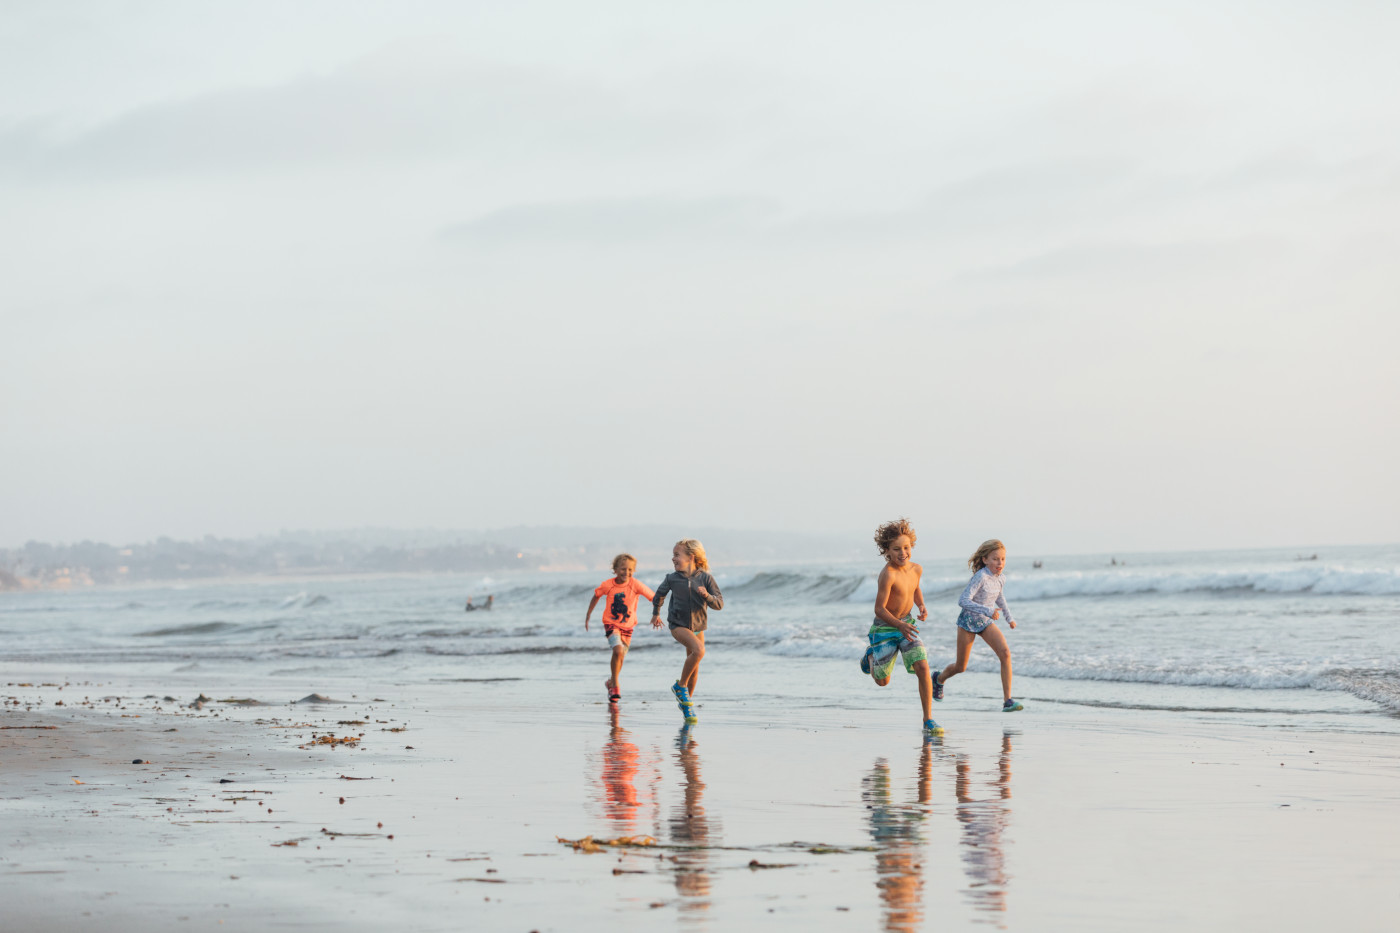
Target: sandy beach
[[1065, 816]]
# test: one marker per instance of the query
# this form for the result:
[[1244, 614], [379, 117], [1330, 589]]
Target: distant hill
[[377, 551]]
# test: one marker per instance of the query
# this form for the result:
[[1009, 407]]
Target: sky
[[1082, 276]]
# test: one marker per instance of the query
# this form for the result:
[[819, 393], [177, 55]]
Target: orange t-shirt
[[620, 601]]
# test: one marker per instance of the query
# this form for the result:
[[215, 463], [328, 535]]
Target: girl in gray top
[[693, 591]]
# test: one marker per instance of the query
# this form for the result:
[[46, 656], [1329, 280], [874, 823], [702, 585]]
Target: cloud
[[619, 220], [371, 111]]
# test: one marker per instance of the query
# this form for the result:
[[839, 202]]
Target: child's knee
[[619, 651], [882, 683], [921, 668], [698, 652]]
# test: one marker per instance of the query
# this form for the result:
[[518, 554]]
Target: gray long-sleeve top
[[687, 608], [983, 594]]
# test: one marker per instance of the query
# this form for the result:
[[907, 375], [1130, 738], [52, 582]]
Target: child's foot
[[690, 717], [1012, 706], [932, 728], [938, 687], [614, 694], [865, 663], [682, 695]]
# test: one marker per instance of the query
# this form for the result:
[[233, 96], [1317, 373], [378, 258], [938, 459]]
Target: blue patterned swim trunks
[[885, 643]]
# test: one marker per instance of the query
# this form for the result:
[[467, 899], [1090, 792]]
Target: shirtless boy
[[894, 630]]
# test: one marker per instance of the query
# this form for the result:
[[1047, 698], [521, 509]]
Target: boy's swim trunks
[[618, 635], [886, 641], [972, 622]]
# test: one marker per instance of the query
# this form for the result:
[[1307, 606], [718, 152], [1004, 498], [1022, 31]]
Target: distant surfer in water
[[982, 604], [620, 616]]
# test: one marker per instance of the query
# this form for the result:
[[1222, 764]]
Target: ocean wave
[[819, 588], [303, 601], [195, 628], [1318, 581]]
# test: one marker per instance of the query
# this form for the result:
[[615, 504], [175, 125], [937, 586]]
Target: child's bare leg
[[618, 654], [997, 642], [694, 651], [925, 687], [965, 640], [695, 674]]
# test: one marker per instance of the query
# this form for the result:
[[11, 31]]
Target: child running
[[982, 604], [693, 591], [620, 616], [894, 631]]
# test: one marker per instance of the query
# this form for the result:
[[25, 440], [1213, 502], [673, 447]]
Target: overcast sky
[[1084, 276]]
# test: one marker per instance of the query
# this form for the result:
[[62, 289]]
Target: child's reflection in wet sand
[[691, 827], [897, 832], [620, 763], [983, 821]]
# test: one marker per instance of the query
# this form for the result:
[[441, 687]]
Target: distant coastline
[[373, 552]]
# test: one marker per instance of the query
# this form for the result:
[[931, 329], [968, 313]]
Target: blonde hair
[[619, 559], [887, 533], [986, 549], [696, 550]]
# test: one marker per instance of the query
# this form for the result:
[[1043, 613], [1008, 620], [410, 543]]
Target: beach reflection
[[898, 834], [984, 817], [691, 826], [897, 829], [619, 771]]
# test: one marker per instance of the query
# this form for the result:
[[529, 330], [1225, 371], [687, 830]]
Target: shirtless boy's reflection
[[897, 831], [984, 817], [690, 826]]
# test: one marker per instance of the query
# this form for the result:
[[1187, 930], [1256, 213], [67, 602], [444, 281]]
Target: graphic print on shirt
[[620, 612]]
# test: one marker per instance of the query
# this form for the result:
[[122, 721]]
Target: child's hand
[[656, 621], [1011, 623], [996, 614], [923, 613], [704, 593]]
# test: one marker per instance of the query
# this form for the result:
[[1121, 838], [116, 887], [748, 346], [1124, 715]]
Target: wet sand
[[1060, 817]]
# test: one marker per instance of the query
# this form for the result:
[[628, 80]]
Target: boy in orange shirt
[[620, 616]]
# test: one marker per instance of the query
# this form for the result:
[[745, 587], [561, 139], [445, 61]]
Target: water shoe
[[932, 728], [937, 687], [1012, 706]]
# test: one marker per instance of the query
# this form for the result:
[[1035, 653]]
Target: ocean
[[1268, 634]]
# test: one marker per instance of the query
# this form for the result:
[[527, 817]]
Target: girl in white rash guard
[[982, 604]]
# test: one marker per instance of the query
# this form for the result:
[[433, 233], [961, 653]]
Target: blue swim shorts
[[973, 622]]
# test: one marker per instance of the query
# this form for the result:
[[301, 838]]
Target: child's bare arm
[[589, 613], [919, 593]]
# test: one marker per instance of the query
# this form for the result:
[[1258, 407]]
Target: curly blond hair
[[986, 549], [886, 534], [620, 559]]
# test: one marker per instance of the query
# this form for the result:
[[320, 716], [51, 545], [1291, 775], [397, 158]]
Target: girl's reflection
[[983, 821], [898, 836], [690, 826]]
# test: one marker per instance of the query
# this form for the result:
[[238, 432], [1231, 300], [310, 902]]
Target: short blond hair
[[620, 559], [889, 532], [986, 549], [696, 550]]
